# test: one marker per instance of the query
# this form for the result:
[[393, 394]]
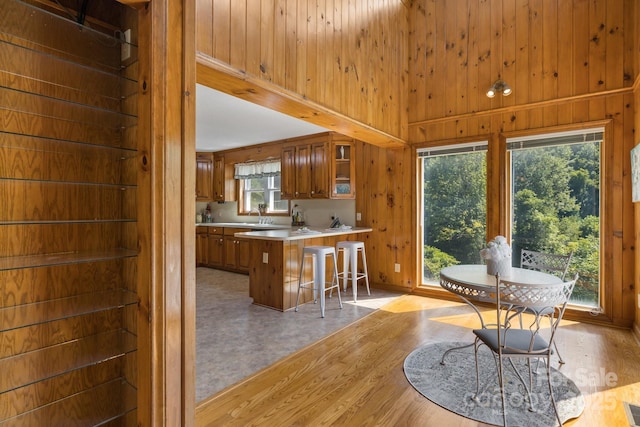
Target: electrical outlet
[[358, 216], [397, 268], [265, 257], [125, 48]]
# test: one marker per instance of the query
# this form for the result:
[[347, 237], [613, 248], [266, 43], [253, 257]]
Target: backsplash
[[317, 212]]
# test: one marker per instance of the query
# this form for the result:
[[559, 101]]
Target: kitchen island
[[276, 256]]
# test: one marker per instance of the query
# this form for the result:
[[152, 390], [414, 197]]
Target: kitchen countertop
[[252, 225], [297, 233]]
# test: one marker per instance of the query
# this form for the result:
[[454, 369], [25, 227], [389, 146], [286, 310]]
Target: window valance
[[262, 169]]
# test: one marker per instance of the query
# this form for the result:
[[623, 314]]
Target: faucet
[[259, 214]]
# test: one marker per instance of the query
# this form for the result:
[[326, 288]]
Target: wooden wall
[[570, 64], [545, 49], [385, 197], [348, 59], [68, 226], [636, 93]]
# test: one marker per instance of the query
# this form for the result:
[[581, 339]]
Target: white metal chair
[[555, 264], [532, 342]]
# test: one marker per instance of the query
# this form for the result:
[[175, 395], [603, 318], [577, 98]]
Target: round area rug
[[453, 386]]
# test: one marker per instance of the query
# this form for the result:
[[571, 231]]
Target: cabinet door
[[204, 177], [320, 170], [215, 250], [243, 254], [230, 252], [343, 170], [223, 181], [303, 171], [201, 249], [288, 173]]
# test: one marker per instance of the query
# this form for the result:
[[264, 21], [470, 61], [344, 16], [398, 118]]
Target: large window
[[553, 195], [555, 203], [263, 194], [454, 206]]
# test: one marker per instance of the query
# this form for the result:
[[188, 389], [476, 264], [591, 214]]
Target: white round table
[[472, 283]]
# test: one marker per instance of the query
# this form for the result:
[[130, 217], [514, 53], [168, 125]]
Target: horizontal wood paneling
[[347, 57], [68, 180]]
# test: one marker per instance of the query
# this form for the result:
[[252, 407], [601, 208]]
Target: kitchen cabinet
[[343, 169], [236, 250], [201, 246], [215, 247], [296, 172], [204, 177], [319, 170], [224, 185], [320, 166]]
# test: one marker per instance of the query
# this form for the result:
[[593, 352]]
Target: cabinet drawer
[[215, 230], [230, 231], [200, 229]]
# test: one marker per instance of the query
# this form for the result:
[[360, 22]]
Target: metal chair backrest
[[555, 264], [539, 300]]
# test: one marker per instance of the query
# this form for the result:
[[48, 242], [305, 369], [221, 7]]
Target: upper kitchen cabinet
[[296, 171], [204, 177], [318, 166], [343, 169], [319, 170], [224, 186]]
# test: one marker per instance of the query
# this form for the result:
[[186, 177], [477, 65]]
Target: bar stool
[[319, 254], [350, 250]]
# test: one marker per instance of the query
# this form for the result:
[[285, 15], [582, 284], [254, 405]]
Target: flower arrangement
[[497, 249], [497, 255]]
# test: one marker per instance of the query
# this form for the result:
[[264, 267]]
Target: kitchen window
[[259, 185], [262, 194]]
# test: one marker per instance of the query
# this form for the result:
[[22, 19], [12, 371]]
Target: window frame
[[268, 191], [499, 199]]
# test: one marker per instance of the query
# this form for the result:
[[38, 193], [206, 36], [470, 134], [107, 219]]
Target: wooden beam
[[222, 77]]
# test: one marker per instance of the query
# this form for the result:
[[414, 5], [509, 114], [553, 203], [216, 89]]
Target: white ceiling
[[224, 122]]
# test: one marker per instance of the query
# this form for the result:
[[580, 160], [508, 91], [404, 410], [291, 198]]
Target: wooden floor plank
[[355, 376]]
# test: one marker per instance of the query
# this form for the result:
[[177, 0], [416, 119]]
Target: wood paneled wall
[[569, 64], [544, 49], [347, 57], [385, 190]]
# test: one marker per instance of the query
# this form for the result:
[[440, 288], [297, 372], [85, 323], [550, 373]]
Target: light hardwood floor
[[355, 377]]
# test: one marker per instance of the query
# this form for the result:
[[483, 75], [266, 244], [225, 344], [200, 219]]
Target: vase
[[501, 267]]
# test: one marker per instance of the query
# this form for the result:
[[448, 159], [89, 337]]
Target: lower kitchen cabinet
[[217, 247], [201, 246], [215, 254], [236, 251]]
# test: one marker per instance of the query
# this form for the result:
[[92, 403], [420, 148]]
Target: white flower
[[496, 249]]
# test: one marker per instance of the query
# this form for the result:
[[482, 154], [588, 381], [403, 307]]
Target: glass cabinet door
[[343, 170]]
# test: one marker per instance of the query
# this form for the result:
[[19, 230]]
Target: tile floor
[[235, 338]]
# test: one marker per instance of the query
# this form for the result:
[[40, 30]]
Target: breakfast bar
[[276, 256]]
